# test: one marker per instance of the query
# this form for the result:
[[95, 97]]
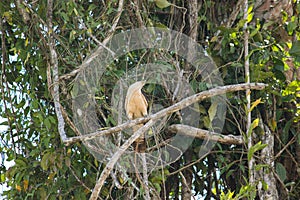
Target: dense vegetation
[[45, 168]]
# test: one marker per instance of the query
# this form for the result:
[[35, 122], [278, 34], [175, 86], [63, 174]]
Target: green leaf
[[212, 110], [260, 166], [284, 136], [254, 32], [292, 88], [157, 187], [9, 17], [68, 161], [45, 161], [207, 122], [214, 191], [281, 171], [295, 50], [64, 16], [254, 104], [258, 146], [265, 185], [200, 108], [241, 23], [250, 17], [72, 35], [21, 104], [162, 3], [5, 123], [291, 27], [47, 123], [253, 125], [21, 162], [34, 104], [2, 178], [250, 9], [52, 119]]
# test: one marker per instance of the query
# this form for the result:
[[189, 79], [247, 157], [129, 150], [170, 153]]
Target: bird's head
[[137, 85]]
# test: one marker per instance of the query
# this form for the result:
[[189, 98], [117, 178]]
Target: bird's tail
[[140, 143]]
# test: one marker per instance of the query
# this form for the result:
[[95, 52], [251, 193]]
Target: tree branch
[[205, 134], [22, 11], [109, 166], [251, 162], [138, 13], [178, 106], [101, 45], [54, 65], [234, 13]]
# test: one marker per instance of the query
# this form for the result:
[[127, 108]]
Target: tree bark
[[267, 174], [192, 17], [205, 134]]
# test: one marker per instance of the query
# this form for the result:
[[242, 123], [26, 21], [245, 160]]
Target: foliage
[[44, 168]]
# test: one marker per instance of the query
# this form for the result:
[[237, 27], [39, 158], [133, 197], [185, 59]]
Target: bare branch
[[234, 13], [138, 13], [186, 186], [78, 179], [145, 177], [109, 166], [54, 66], [251, 162], [69, 121], [101, 44], [22, 11], [178, 106], [205, 134]]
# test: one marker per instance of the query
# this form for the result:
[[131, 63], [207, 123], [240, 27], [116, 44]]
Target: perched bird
[[136, 107]]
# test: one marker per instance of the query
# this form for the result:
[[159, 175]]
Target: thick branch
[[106, 171], [205, 134], [267, 155], [54, 65], [178, 106]]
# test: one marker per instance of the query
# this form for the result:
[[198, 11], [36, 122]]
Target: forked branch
[[169, 110], [109, 166]]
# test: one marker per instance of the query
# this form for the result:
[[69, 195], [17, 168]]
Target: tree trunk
[[267, 174]]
